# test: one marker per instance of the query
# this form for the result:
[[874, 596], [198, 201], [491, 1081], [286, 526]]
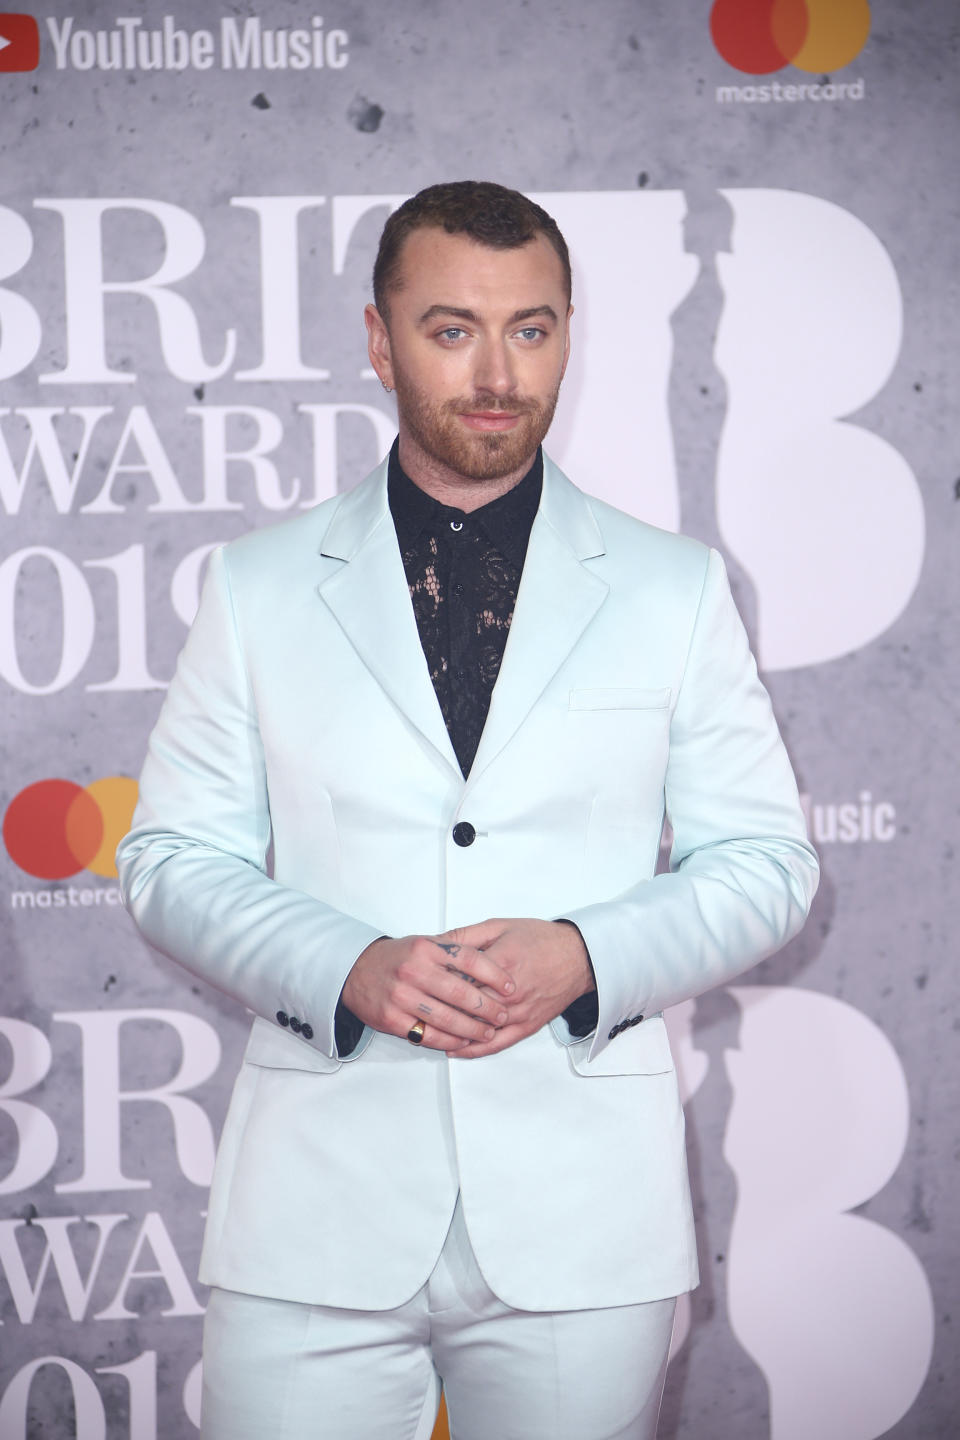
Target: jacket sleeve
[[193, 869], [742, 873]]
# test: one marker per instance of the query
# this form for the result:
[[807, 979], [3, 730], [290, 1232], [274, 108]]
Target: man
[[455, 1147]]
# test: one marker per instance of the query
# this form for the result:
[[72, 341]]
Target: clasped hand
[[477, 989]]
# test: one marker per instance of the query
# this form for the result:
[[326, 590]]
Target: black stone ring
[[415, 1033]]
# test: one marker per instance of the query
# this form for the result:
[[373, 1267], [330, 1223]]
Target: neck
[[461, 492]]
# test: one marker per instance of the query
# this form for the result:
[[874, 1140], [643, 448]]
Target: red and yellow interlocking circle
[[55, 828], [760, 36]]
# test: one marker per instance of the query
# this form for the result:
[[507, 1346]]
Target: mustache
[[492, 405]]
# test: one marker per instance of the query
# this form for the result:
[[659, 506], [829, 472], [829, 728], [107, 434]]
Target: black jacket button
[[306, 1031], [295, 1025], [464, 833], [636, 1020], [283, 1018], [614, 1033]]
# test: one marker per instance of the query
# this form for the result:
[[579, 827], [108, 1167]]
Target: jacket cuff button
[[283, 1018], [306, 1031], [295, 1025]]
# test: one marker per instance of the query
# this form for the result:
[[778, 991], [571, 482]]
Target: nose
[[494, 372]]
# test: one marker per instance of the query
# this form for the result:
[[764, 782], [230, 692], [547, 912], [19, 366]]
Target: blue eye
[[530, 332], [452, 332]]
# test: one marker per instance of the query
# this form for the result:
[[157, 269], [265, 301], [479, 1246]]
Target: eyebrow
[[455, 312]]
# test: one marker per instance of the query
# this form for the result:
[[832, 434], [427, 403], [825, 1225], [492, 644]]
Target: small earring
[[388, 388]]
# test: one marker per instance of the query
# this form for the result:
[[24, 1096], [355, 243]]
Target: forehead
[[436, 268]]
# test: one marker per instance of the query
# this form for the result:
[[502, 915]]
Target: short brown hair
[[489, 213]]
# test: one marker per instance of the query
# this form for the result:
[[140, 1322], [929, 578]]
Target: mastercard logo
[[54, 828], [760, 36]]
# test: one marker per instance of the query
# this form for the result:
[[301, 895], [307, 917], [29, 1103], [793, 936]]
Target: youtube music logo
[[19, 43]]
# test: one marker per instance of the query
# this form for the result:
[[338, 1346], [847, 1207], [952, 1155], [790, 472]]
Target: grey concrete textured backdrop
[[567, 96]]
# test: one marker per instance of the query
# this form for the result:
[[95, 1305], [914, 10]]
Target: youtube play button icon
[[19, 43]]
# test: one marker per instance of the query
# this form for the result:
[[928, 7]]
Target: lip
[[489, 419]]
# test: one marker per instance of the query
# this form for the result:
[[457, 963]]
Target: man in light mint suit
[[453, 707]]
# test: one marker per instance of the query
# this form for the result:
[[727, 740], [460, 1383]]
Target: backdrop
[[762, 204]]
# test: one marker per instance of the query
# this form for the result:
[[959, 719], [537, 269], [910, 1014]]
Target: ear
[[378, 345]]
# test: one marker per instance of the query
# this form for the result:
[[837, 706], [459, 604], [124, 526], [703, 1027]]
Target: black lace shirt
[[463, 571]]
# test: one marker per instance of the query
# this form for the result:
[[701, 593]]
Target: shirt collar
[[505, 521]]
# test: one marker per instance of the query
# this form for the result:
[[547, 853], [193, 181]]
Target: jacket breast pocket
[[617, 697], [277, 1049], [644, 1049]]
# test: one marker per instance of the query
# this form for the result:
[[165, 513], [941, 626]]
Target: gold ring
[[415, 1033]]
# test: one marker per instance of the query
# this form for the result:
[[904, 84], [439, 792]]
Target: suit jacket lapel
[[557, 599], [369, 597]]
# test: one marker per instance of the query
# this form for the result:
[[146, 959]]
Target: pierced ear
[[378, 346]]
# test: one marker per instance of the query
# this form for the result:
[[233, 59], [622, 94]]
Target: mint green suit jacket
[[298, 801]]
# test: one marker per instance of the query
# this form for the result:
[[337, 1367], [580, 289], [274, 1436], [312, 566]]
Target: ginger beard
[[474, 455]]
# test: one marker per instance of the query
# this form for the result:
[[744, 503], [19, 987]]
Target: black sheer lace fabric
[[463, 590], [463, 571]]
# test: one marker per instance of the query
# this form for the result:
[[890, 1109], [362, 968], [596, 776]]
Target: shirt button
[[456, 526], [458, 589], [464, 833], [283, 1018]]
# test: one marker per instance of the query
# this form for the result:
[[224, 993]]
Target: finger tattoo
[[425, 1009], [470, 979], [450, 949]]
